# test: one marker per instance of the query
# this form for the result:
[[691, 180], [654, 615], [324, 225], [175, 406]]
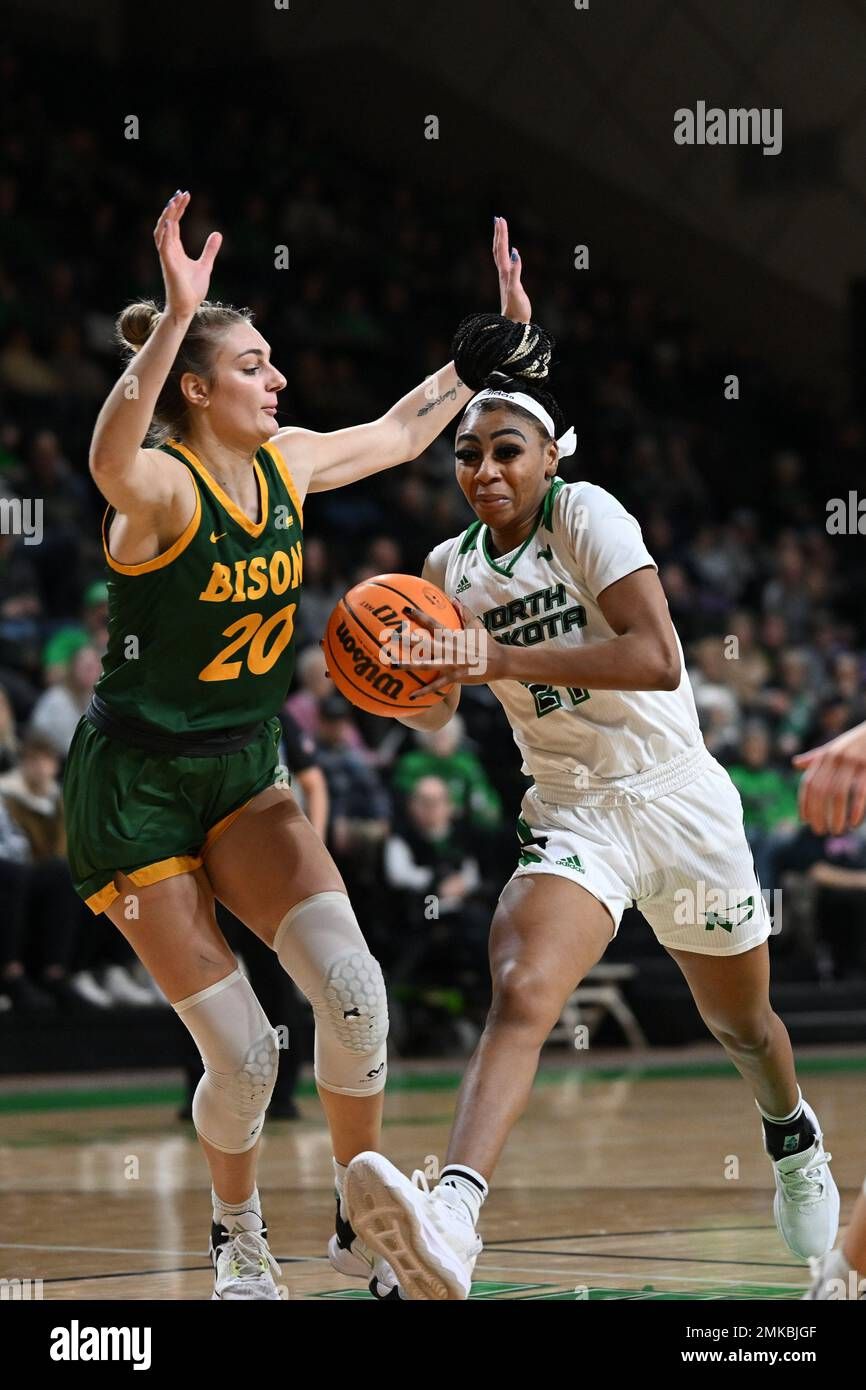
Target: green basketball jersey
[[202, 637]]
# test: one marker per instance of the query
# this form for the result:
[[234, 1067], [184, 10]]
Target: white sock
[[784, 1119], [230, 1214], [468, 1184]]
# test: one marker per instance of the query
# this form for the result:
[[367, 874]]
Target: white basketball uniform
[[626, 799]]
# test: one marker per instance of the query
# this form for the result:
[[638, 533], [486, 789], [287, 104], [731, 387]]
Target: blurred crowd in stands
[[731, 494]]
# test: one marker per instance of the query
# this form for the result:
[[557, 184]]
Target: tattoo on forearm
[[446, 396]]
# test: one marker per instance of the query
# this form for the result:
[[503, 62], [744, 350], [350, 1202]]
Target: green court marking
[[724, 1293], [557, 1293], [19, 1102]]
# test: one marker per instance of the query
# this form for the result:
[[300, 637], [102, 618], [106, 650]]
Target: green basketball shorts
[[148, 815]]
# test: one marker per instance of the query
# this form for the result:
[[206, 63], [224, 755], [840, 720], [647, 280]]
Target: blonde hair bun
[[136, 323]]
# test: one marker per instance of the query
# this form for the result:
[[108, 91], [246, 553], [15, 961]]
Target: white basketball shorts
[[670, 840]]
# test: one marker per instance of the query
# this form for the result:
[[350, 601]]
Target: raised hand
[[513, 299], [186, 281]]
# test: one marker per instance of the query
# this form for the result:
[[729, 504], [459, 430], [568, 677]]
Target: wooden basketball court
[[639, 1179]]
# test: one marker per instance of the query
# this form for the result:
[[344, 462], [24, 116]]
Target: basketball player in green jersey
[[171, 784]]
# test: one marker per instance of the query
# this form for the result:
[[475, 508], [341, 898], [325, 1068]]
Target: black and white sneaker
[[244, 1267], [349, 1255]]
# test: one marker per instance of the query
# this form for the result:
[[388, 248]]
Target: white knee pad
[[321, 946], [239, 1050]]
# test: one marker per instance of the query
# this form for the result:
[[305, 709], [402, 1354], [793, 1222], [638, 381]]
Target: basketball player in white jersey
[[626, 805]]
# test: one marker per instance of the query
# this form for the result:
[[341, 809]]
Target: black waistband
[[152, 739]]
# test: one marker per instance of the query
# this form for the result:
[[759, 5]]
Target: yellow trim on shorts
[[98, 902], [216, 830], [159, 561], [143, 877], [275, 455], [252, 528]]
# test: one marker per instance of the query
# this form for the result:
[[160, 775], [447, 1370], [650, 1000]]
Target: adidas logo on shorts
[[571, 861]]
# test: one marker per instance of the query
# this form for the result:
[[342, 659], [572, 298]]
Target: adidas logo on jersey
[[545, 554], [464, 585]]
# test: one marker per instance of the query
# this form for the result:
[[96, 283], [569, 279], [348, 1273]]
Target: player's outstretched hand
[[513, 299], [186, 280], [833, 791]]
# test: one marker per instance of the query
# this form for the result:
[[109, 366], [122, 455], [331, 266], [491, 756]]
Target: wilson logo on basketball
[[386, 615], [386, 605], [383, 682]]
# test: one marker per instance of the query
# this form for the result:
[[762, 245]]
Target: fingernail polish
[[514, 254]]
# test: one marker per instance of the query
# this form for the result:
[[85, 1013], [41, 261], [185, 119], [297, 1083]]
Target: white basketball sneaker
[[427, 1237], [806, 1205], [349, 1255], [244, 1267]]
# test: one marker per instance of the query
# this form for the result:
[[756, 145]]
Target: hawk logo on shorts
[[527, 836], [714, 920]]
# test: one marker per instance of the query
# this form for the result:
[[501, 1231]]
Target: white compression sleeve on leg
[[239, 1050], [322, 948]]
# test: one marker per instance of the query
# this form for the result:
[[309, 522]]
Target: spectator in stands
[[16, 989], [445, 754], [769, 798], [443, 923], [840, 907], [716, 703], [322, 590], [308, 780], [8, 733], [750, 668], [848, 677], [790, 699], [360, 808], [49, 920], [70, 638], [59, 709]]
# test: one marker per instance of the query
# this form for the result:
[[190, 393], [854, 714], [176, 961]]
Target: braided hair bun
[[486, 343]]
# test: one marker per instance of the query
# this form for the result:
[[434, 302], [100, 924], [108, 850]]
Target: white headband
[[566, 445]]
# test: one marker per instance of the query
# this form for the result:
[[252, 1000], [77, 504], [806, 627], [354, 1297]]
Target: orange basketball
[[353, 642]]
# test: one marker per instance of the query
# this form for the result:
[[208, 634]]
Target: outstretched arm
[[405, 431], [320, 462], [129, 476]]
